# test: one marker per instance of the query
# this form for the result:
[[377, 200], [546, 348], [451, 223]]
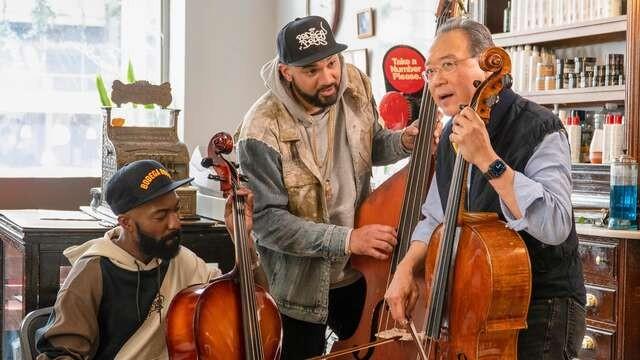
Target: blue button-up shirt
[[543, 193]]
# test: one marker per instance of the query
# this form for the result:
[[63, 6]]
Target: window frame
[[165, 52]]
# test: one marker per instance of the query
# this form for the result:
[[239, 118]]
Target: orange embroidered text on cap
[[151, 175]]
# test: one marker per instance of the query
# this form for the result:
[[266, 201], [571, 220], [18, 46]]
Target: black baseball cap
[[137, 183], [306, 40]]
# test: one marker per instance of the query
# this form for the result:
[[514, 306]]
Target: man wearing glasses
[[522, 171]]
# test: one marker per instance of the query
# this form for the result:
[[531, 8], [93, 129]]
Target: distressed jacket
[[291, 220]]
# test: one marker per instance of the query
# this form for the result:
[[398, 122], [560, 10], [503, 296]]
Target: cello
[[231, 317], [477, 271], [402, 196]]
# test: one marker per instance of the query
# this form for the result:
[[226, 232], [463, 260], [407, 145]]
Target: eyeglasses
[[446, 67]]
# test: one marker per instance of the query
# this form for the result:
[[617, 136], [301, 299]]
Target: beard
[[164, 248], [316, 99]]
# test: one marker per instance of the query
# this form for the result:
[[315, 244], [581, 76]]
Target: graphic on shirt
[[157, 305]]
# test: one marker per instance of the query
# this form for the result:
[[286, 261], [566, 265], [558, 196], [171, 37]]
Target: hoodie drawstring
[[158, 292], [138, 293]]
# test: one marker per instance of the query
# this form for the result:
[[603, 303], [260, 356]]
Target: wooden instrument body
[[382, 206], [205, 322], [397, 203], [231, 317], [489, 293], [481, 267]]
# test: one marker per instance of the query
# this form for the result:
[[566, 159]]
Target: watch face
[[498, 167], [328, 9]]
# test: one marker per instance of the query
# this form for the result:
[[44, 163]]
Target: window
[[50, 54]]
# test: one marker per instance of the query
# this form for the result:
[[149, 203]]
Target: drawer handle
[[588, 343], [592, 300], [601, 260]]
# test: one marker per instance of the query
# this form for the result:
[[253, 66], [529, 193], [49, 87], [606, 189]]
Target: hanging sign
[[402, 66]]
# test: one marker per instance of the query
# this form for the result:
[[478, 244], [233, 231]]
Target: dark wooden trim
[[64, 193], [632, 68]]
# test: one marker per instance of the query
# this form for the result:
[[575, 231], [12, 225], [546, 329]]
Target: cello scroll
[[498, 62]]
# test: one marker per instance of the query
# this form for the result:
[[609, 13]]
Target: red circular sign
[[403, 66]]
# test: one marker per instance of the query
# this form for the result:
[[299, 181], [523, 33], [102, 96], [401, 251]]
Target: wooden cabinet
[[612, 278], [32, 264]]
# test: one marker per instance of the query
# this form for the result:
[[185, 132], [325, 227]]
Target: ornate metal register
[[125, 144], [136, 132]]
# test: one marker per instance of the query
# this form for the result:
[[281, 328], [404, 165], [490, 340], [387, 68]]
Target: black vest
[[516, 128]]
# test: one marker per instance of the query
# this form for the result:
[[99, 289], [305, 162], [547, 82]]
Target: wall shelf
[[609, 29], [600, 94]]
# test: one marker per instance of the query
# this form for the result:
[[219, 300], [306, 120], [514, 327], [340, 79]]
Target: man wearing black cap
[[115, 299], [307, 146]]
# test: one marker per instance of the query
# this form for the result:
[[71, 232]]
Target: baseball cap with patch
[[306, 40], [137, 183]]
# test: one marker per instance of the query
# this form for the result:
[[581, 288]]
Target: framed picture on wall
[[357, 57], [364, 19], [328, 9]]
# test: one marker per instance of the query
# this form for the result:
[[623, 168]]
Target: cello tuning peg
[[214, 177], [235, 164], [206, 162], [243, 178], [492, 101], [507, 81], [476, 83]]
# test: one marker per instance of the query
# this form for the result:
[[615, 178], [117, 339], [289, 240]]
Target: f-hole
[[372, 336]]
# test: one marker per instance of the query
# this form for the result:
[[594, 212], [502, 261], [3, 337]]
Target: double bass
[[401, 197], [477, 271], [230, 318]]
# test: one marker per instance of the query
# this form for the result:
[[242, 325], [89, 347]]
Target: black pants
[[555, 330], [302, 340]]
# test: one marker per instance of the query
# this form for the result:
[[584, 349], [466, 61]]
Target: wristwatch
[[496, 169]]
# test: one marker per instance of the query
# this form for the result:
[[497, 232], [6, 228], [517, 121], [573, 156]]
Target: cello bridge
[[396, 332]]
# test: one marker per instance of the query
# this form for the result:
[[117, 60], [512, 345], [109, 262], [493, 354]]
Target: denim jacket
[[297, 244]]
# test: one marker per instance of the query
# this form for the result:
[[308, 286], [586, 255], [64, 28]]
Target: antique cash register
[[134, 132]]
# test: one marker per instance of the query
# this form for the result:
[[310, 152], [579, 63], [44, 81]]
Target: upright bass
[[230, 318], [401, 197], [477, 271]]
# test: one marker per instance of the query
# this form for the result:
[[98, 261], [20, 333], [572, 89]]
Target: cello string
[[419, 169], [437, 288], [246, 282], [412, 197]]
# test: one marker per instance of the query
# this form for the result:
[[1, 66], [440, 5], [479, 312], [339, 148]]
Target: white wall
[[218, 48], [409, 22], [224, 45]]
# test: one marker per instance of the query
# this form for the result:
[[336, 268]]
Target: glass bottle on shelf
[[573, 129], [623, 197], [586, 125], [595, 149]]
